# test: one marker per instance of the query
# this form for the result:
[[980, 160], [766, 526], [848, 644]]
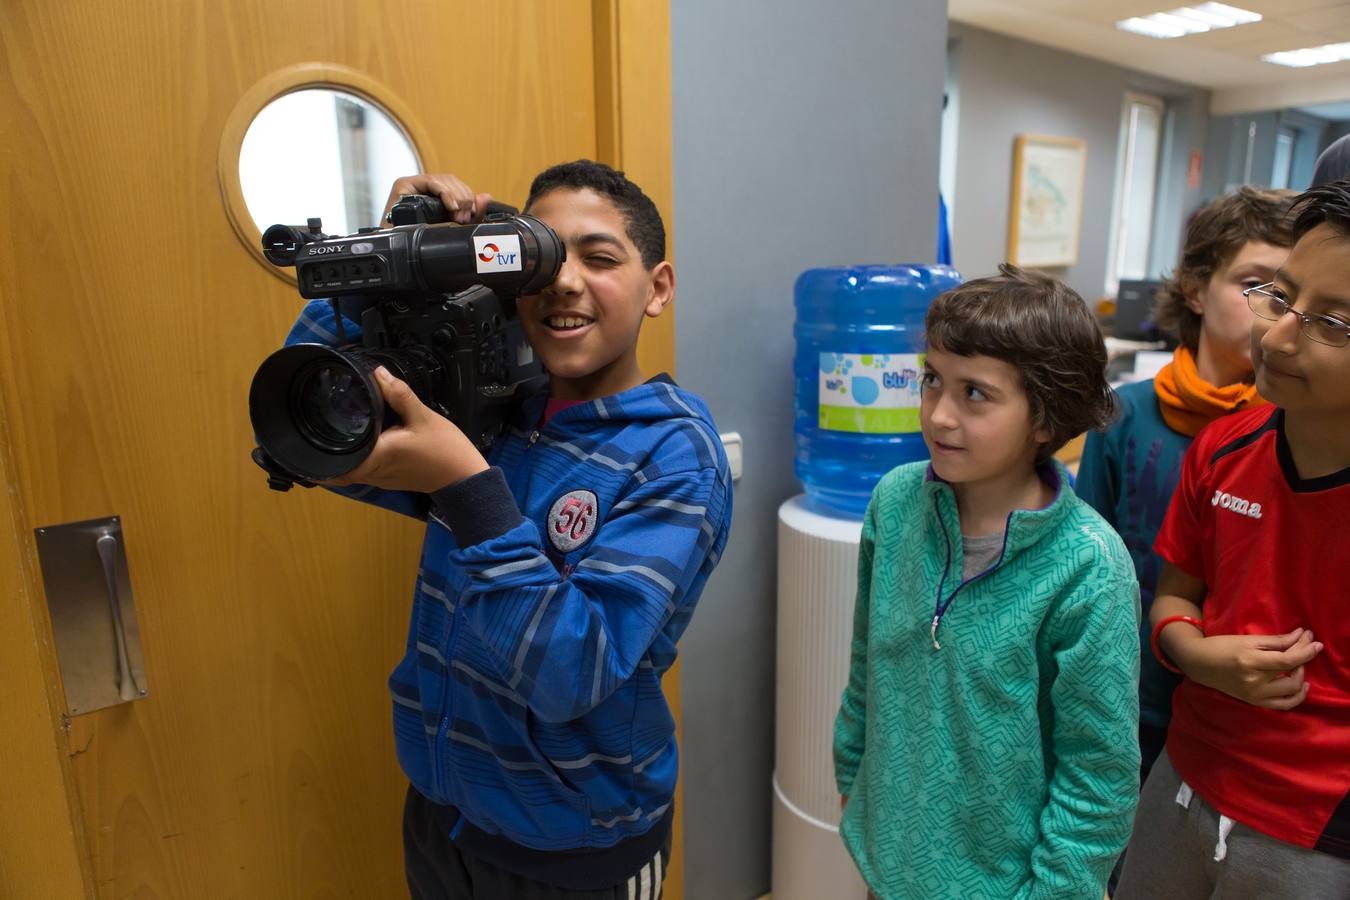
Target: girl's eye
[[976, 394], [928, 380]]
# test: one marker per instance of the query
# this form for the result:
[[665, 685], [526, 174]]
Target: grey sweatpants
[[1171, 855]]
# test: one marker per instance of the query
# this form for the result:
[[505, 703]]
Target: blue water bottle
[[860, 339]]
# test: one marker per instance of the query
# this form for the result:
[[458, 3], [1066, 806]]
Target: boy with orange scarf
[[1129, 472]]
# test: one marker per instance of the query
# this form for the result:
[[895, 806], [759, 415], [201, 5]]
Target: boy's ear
[[662, 288]]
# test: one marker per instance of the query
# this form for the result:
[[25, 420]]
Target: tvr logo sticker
[[497, 253]]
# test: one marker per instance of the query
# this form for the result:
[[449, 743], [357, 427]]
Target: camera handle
[[425, 209], [278, 479]]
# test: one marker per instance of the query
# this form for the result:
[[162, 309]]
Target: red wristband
[[1157, 648]]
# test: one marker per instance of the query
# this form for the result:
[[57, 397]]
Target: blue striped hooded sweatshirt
[[552, 590]]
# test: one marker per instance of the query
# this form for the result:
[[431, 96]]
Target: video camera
[[437, 307]]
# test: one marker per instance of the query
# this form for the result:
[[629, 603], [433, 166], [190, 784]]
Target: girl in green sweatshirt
[[985, 745]]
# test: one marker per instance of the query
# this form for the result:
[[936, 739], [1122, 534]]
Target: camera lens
[[317, 410], [332, 405]]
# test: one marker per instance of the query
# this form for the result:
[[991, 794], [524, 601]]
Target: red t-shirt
[[1274, 553], [554, 406]]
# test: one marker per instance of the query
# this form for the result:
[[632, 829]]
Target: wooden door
[[262, 763]]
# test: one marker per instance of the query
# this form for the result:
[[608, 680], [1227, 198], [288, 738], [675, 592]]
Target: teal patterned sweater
[[1006, 763]]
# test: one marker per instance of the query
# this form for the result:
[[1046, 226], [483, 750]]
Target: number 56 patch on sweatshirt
[[572, 520]]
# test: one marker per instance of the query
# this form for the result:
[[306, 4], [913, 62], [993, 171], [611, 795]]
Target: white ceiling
[[1227, 61]]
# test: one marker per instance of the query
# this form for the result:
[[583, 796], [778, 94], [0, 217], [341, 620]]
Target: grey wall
[[1335, 132], [806, 134], [1234, 141], [1010, 87]]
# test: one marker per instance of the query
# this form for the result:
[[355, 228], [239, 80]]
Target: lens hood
[[296, 418]]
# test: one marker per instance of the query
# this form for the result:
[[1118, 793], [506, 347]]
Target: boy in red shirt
[[1252, 797]]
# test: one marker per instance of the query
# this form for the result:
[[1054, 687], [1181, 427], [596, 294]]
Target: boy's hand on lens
[[424, 454], [1263, 670], [465, 207]]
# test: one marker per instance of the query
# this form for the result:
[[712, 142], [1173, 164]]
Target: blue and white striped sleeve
[[571, 642], [317, 325]]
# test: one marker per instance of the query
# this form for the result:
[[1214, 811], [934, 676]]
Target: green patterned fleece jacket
[[1006, 763]]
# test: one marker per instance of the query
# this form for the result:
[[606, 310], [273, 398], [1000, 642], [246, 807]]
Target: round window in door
[[325, 152]]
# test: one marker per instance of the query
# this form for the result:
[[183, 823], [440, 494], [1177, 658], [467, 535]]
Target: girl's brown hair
[[1041, 327], [1217, 233]]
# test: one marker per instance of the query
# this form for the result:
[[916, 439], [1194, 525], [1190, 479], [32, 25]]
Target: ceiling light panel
[[1310, 56], [1186, 20]]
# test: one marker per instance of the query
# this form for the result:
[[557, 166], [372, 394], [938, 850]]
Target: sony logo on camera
[[320, 250]]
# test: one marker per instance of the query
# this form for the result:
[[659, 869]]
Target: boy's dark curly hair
[[1216, 234], [640, 215], [1324, 204], [1041, 327]]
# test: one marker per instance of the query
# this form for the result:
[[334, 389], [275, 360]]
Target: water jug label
[[870, 393]]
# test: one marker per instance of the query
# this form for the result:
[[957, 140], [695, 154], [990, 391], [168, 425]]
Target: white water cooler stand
[[817, 580]]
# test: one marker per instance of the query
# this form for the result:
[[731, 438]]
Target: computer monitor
[[1135, 304]]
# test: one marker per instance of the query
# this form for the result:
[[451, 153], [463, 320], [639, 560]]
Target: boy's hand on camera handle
[[465, 207], [424, 454], [1263, 670]]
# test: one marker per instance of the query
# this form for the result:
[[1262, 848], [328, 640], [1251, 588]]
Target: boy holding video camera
[[557, 574]]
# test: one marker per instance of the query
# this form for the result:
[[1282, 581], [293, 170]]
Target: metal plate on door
[[98, 640]]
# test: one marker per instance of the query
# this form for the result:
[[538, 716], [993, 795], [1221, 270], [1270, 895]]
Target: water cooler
[[859, 333], [817, 577]]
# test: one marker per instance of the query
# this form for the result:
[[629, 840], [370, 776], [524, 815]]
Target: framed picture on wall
[[1047, 200]]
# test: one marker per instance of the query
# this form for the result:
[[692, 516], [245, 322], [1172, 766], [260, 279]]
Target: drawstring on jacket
[[939, 605]]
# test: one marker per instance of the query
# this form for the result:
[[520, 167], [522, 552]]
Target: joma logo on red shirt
[[1236, 504]]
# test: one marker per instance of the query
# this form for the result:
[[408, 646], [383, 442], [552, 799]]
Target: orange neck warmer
[[1189, 403]]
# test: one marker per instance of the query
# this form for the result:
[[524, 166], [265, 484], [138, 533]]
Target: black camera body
[[436, 303], [422, 255]]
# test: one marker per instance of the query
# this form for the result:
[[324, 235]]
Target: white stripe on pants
[[646, 884]]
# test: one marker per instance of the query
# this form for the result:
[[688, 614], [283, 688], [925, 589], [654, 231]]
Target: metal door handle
[[126, 680]]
